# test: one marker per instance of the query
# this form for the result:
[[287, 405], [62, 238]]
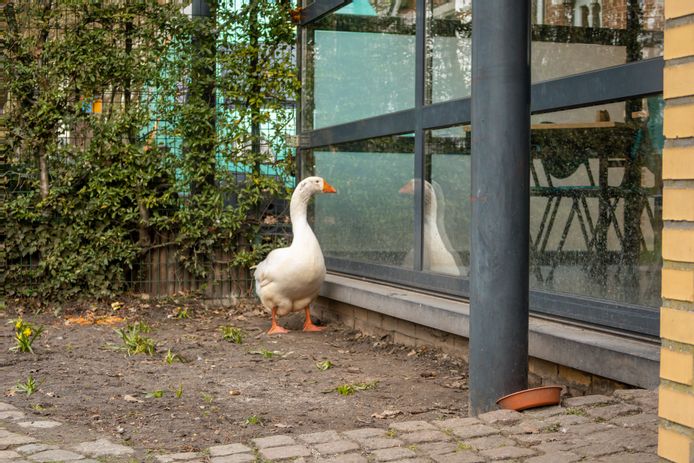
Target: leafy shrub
[[134, 127]]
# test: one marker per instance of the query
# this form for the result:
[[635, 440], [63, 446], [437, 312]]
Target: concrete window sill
[[614, 356]]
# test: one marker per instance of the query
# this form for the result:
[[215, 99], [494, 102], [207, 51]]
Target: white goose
[[438, 250], [288, 279]]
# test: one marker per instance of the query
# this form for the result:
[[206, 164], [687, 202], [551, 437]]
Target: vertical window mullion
[[420, 63]]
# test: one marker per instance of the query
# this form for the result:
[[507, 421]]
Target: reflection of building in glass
[[612, 14]]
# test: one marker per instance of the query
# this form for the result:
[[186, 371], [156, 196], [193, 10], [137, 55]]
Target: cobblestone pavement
[[596, 428]]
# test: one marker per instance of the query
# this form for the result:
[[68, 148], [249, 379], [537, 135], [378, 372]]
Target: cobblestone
[[34, 448], [412, 426], [460, 457], [230, 449], [602, 429], [477, 430], [555, 457], [319, 437], [235, 458], [424, 436], [9, 438], [39, 424], [11, 415], [507, 453], [103, 447], [285, 452], [455, 423], [273, 441], [349, 458], [501, 417], [489, 442], [612, 411], [340, 446], [588, 400], [365, 433], [396, 453], [381, 443], [56, 455], [8, 454]]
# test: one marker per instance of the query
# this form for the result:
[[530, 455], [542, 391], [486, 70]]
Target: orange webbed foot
[[309, 326], [276, 329]]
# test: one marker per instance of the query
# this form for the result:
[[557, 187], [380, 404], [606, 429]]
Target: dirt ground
[[223, 392]]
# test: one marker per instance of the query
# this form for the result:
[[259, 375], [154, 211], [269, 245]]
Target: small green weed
[[391, 433], [462, 446], [179, 391], [158, 394], [267, 354], [133, 340], [172, 357], [25, 334], [181, 313], [324, 365], [232, 334], [207, 398], [28, 387], [349, 389], [38, 407], [254, 420], [554, 427], [576, 411]]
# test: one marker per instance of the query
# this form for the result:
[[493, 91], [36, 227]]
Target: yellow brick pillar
[[676, 398]]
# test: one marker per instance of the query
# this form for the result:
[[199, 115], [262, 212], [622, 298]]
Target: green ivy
[[176, 155]]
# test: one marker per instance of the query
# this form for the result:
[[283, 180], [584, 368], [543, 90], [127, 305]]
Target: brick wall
[[676, 397]]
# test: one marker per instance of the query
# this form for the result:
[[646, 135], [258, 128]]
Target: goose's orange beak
[[407, 189], [328, 188]]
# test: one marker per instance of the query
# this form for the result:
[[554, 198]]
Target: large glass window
[[595, 201], [368, 220], [359, 63], [595, 168]]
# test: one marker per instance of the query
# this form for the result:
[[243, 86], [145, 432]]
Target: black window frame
[[606, 85]]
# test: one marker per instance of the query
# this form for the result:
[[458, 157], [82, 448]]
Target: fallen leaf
[[129, 398], [90, 319], [282, 425], [234, 392], [456, 385], [386, 414]]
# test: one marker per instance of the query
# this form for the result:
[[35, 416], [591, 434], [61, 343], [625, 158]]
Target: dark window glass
[[573, 36], [449, 50], [595, 219], [368, 220], [359, 62]]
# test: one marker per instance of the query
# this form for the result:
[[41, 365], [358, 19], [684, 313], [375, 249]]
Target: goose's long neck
[[301, 230]]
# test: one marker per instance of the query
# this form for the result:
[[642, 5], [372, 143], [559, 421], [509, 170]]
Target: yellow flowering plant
[[25, 334]]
